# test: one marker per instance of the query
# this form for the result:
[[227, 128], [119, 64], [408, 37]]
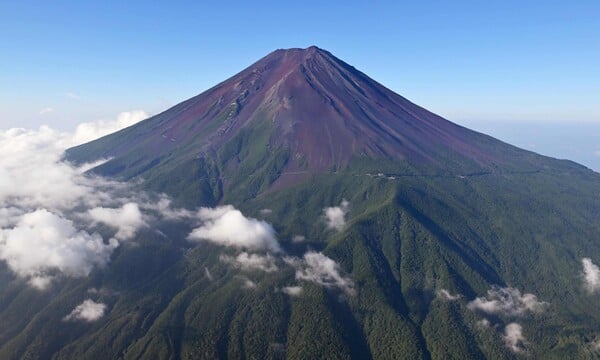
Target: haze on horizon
[[526, 74]]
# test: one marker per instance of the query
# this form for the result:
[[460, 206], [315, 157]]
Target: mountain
[[398, 234], [293, 114]]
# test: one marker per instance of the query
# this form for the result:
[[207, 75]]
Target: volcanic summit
[[290, 115]]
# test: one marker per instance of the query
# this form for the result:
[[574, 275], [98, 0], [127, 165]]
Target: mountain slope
[[450, 239], [290, 115]]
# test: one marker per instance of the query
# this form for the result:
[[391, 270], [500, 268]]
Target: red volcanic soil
[[320, 108]]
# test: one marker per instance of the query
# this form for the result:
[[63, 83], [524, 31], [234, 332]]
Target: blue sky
[[477, 63]]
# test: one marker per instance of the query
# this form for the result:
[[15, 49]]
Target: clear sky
[[473, 62]]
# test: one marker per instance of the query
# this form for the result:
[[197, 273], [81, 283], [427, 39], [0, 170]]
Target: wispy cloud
[[266, 211], [446, 295], [93, 130], [320, 269], [336, 215], [127, 219], [46, 110], [73, 96], [514, 338], [208, 274], [292, 290], [247, 283], [591, 275], [507, 302], [87, 311], [595, 345], [227, 226], [298, 239], [249, 262]]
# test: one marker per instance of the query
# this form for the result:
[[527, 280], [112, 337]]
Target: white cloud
[[513, 337], [507, 302], [33, 176], [40, 282], [595, 345], [164, 207], [88, 311], [43, 242], [73, 96], [483, 323], [320, 269], [446, 295], [591, 275], [126, 219], [93, 130], [249, 262], [298, 239], [336, 216], [46, 110], [248, 284], [227, 226], [292, 290], [266, 211], [41, 196], [9, 216], [208, 274]]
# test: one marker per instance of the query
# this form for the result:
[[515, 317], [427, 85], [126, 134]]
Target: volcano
[[293, 114], [390, 232]]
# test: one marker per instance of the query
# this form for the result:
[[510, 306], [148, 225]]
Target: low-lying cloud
[[126, 220], [250, 262], [292, 290], [227, 226], [296, 239], [88, 311], [93, 130], [513, 337], [446, 295], [44, 202], [42, 243], [591, 275], [320, 269], [247, 283], [507, 302], [336, 215]]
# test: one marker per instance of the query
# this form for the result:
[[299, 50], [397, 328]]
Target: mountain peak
[[300, 111], [308, 50]]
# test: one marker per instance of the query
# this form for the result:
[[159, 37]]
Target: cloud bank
[[591, 275], [42, 243], [88, 311], [93, 130], [336, 216], [227, 226], [43, 233]]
